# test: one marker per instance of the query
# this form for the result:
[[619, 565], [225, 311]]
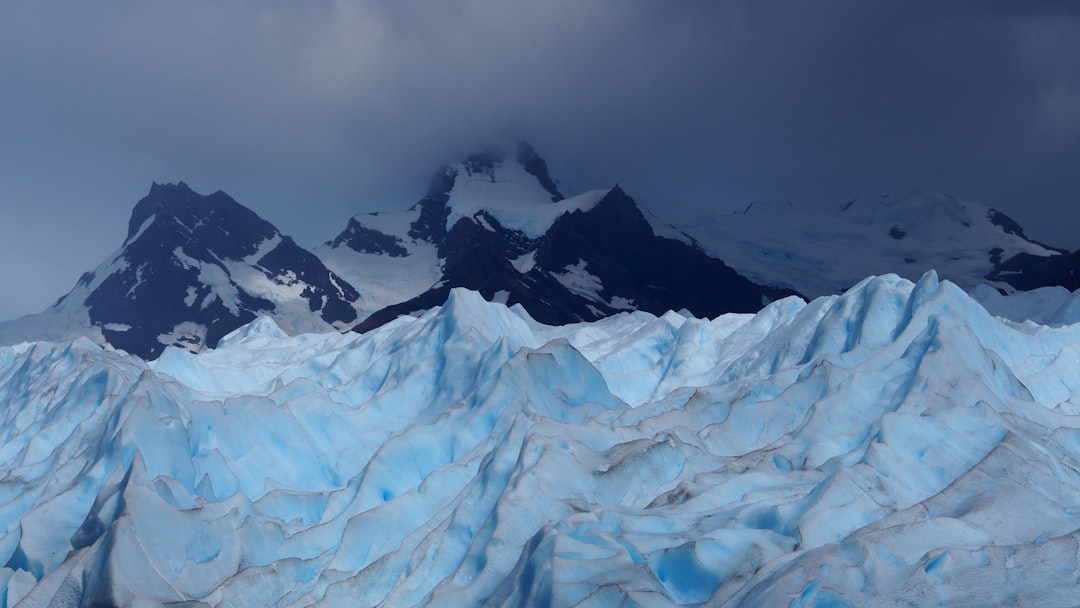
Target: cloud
[[311, 111]]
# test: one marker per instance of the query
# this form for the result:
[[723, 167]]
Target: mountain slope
[[894, 443], [191, 269], [497, 224], [1031, 271], [823, 251]]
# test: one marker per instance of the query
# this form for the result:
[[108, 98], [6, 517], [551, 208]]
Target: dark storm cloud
[[311, 111]]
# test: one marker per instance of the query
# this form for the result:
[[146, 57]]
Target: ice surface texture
[[894, 442]]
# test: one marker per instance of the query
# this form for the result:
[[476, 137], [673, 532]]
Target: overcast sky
[[309, 112]]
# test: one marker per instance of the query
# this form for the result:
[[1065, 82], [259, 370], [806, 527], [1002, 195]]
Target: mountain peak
[[192, 269], [168, 188], [485, 160], [537, 167], [160, 197], [498, 162], [216, 220]]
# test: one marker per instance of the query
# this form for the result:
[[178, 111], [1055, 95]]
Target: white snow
[[214, 276], [266, 246], [68, 320], [185, 335], [380, 279], [896, 444], [512, 196], [507, 192], [389, 222], [383, 280], [142, 228], [138, 281], [225, 278], [579, 280], [827, 250], [292, 311], [524, 262]]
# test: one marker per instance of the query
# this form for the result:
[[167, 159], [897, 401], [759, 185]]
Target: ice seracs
[[850, 450]]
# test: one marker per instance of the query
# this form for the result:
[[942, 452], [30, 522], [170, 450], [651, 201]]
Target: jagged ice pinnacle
[[896, 442]]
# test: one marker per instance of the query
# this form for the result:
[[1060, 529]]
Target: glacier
[[896, 442]]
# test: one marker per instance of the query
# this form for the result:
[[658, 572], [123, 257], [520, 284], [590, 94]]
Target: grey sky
[[309, 112]]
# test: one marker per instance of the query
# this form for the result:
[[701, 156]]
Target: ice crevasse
[[895, 442]]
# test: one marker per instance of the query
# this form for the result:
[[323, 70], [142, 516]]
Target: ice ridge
[[895, 442]]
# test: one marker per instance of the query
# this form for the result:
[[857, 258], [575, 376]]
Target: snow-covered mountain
[[192, 269], [895, 445], [824, 251], [496, 223]]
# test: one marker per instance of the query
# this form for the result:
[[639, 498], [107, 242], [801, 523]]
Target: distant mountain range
[[195, 267], [497, 224], [824, 251]]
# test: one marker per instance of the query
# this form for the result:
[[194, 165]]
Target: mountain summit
[[192, 269], [497, 223]]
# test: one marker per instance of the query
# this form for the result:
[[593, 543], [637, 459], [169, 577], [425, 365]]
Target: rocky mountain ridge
[[194, 267]]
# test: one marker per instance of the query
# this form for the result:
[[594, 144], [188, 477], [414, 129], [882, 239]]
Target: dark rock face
[[431, 225], [628, 266], [193, 268], [1007, 224], [172, 282], [1068, 275], [618, 246], [215, 222], [360, 238], [480, 259], [1025, 271], [537, 167], [327, 295]]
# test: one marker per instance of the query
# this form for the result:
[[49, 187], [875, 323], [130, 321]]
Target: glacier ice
[[897, 441]]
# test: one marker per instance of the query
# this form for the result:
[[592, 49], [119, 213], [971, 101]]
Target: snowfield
[[827, 250], [897, 442]]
